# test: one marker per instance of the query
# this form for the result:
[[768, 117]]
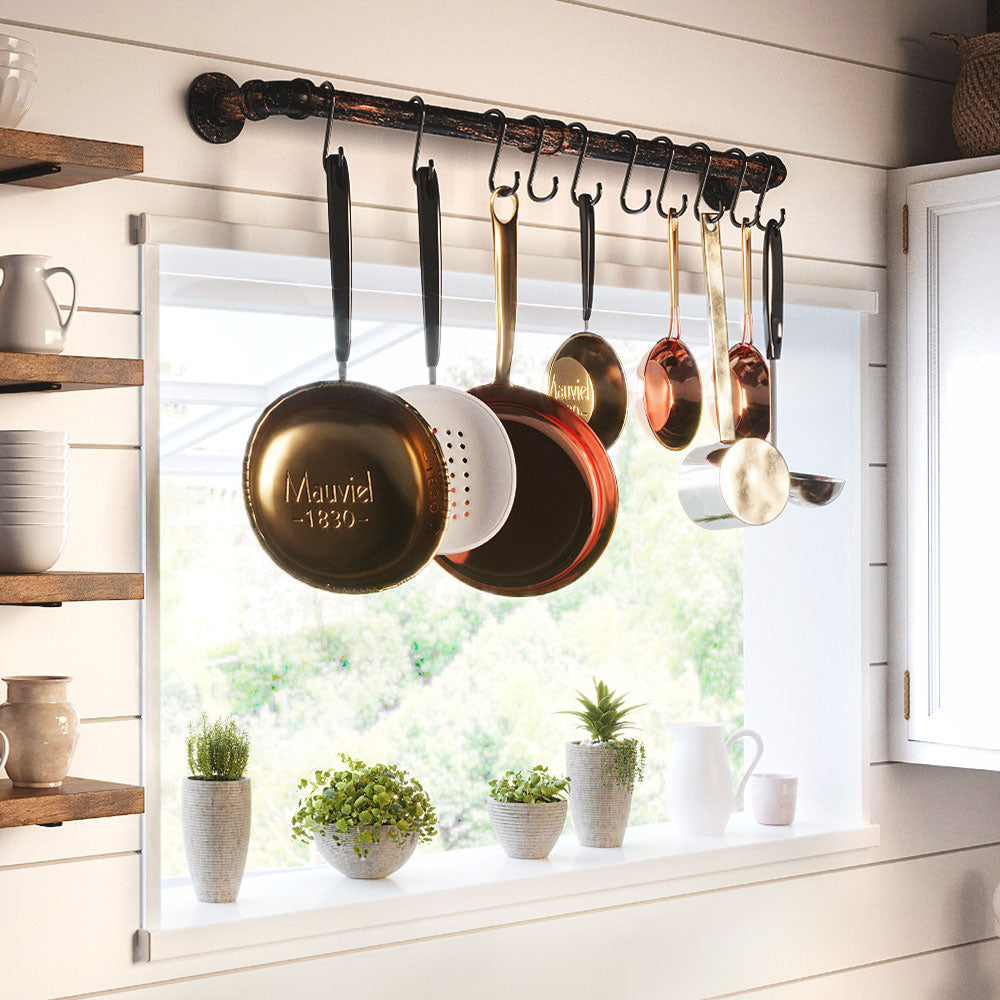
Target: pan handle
[[711, 245], [429, 229], [338, 205], [505, 273], [673, 267], [587, 234], [774, 289]]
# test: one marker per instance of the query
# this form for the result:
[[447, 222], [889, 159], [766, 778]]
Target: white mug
[[773, 797], [6, 749], [29, 312]]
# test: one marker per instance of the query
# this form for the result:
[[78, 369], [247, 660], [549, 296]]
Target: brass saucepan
[[345, 483], [734, 482]]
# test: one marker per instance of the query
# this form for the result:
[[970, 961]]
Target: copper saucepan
[[344, 483], [566, 499]]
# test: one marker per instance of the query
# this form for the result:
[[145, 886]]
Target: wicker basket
[[975, 106]]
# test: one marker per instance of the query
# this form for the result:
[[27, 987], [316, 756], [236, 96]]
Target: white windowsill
[[475, 888]]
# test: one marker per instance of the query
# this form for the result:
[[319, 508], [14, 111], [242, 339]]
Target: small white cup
[[773, 797]]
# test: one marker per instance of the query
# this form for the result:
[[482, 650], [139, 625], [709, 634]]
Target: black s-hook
[[419, 101], [629, 134], [744, 163], [534, 119], [665, 213], [702, 148], [498, 114], [778, 223], [596, 196]]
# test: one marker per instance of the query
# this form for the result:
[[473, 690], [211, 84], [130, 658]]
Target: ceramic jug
[[29, 313], [699, 786], [42, 728]]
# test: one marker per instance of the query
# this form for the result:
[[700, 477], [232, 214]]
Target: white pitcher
[[699, 786], [29, 313]]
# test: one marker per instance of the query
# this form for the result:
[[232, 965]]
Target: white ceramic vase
[[29, 313], [216, 817]]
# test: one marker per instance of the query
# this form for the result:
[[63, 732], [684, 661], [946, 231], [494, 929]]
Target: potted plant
[[528, 811], [215, 802], [603, 769], [366, 819]]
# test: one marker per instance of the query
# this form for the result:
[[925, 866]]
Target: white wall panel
[[26, 845], [92, 416], [878, 614], [878, 547]]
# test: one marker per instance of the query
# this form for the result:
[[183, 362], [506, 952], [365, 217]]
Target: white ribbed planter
[[527, 829], [600, 807], [380, 861], [216, 836]]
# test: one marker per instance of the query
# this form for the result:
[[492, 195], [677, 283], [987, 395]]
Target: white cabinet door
[[952, 480]]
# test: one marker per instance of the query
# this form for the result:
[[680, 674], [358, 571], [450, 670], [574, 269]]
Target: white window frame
[[478, 890]]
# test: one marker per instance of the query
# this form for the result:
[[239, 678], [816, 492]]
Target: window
[[454, 684]]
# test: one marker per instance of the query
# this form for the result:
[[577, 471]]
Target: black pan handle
[[587, 256], [774, 289], [429, 229], [338, 205]]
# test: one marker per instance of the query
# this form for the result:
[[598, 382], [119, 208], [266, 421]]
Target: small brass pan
[[345, 483]]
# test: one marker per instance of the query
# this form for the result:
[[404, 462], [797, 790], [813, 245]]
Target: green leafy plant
[[536, 785], [217, 751], [379, 796], [605, 719]]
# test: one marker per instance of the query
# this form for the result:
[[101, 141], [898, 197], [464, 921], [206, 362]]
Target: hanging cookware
[[345, 483], [567, 495], [751, 395], [669, 399], [806, 490], [478, 453], [585, 373], [733, 482]]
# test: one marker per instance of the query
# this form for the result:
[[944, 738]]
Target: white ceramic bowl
[[48, 480], [30, 548], [48, 505], [12, 44], [7, 451], [34, 437], [17, 87], [32, 517], [19, 60], [59, 465]]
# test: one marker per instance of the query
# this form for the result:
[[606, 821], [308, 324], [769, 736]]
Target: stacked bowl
[[34, 468], [18, 77]]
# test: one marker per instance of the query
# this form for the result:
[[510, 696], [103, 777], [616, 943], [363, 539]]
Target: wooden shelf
[[62, 160], [53, 589], [78, 798], [20, 372]]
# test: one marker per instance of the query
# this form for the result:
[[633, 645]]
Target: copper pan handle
[[711, 245], [673, 267], [505, 273]]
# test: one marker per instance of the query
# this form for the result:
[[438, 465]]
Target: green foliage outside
[[217, 751], [380, 797], [536, 785]]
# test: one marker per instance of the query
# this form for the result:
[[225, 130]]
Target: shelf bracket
[[31, 387], [29, 173]]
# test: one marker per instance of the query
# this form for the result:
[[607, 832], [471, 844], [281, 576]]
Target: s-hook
[[629, 134], [502, 118], [429, 234], [778, 223], [596, 196], [534, 163], [712, 218], [744, 163], [665, 213]]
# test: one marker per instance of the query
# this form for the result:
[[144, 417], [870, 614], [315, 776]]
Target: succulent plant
[[604, 719], [382, 796], [217, 751], [536, 785]]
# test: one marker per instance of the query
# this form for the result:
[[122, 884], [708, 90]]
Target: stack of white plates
[[34, 467], [18, 78]]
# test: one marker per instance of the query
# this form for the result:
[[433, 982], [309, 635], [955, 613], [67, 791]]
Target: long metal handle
[[774, 309], [587, 256], [338, 206], [505, 274], [673, 266], [429, 232], [746, 264], [711, 245]]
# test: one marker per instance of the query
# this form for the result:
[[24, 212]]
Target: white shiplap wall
[[843, 90]]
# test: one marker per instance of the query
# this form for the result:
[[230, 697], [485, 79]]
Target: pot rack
[[218, 108]]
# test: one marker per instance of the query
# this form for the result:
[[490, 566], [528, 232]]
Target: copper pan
[[345, 483], [567, 495]]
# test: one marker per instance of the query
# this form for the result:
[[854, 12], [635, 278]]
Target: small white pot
[[379, 861], [527, 829], [216, 836]]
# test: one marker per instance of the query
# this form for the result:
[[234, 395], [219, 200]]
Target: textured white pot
[[600, 806], [380, 860], [527, 829], [216, 836]]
